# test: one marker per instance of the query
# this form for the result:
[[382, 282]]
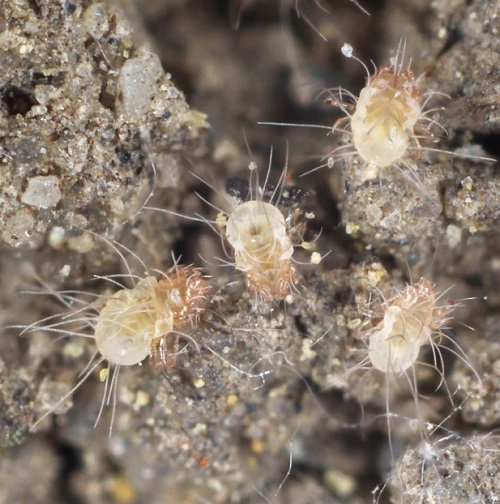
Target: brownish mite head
[[389, 79], [182, 291]]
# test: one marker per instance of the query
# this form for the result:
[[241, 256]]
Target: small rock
[[42, 192], [136, 85]]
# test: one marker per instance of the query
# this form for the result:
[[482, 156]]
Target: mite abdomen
[[386, 113], [129, 321]]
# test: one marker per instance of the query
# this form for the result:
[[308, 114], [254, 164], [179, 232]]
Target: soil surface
[[129, 133]]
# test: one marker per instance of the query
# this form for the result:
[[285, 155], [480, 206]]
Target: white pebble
[[316, 258], [136, 85], [42, 192], [347, 50], [454, 235]]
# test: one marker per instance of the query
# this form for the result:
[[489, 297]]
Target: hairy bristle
[[183, 290]]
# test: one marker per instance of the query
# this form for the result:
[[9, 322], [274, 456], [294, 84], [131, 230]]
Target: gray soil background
[[104, 106]]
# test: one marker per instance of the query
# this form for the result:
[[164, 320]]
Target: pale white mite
[[129, 321], [408, 321], [263, 239], [398, 330], [130, 325], [389, 120], [411, 319], [388, 124], [263, 250], [262, 236], [383, 124]]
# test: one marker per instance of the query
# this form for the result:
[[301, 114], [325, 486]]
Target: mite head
[[183, 291]]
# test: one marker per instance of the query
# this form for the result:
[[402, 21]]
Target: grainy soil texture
[[332, 168]]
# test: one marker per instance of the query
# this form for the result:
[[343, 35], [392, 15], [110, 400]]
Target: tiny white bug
[[397, 330], [263, 225], [263, 250], [130, 324], [129, 321], [411, 319], [388, 125], [263, 238], [388, 120]]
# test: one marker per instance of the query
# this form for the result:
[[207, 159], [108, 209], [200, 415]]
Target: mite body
[[386, 119], [411, 319], [263, 250], [131, 324], [387, 111], [263, 226], [130, 321]]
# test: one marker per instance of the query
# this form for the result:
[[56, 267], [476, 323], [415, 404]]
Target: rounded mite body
[[133, 323], [263, 226], [263, 250], [387, 117], [130, 321], [387, 111], [409, 321], [399, 328]]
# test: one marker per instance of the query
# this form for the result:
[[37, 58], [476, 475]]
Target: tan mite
[[263, 241], [388, 120], [263, 251], [411, 319], [387, 111], [133, 323]]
